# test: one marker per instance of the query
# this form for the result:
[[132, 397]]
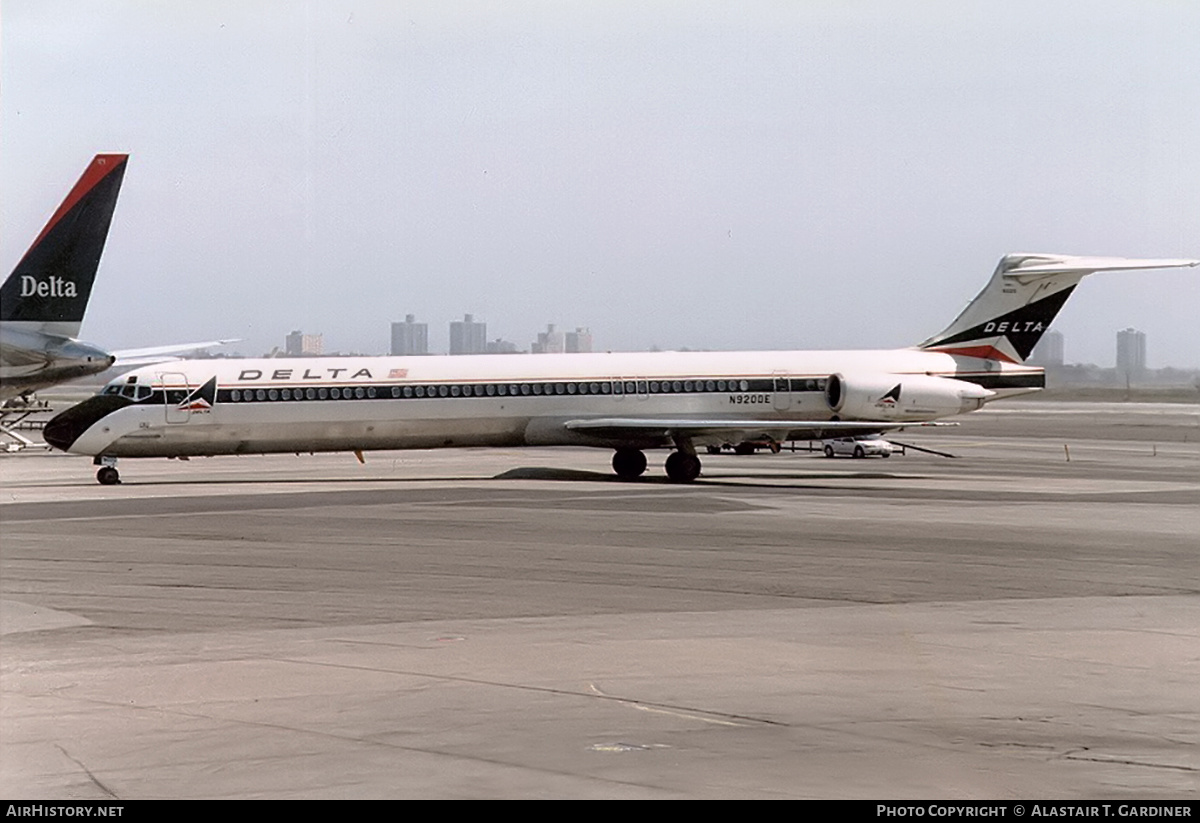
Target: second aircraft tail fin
[[50, 287]]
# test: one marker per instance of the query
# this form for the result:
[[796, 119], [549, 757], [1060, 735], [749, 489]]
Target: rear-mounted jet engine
[[901, 397]]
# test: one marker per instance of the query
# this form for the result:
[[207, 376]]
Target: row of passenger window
[[615, 387]]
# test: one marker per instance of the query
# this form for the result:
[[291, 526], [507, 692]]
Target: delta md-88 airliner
[[628, 402]]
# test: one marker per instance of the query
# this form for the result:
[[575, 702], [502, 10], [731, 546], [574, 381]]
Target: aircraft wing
[[161, 354], [638, 428]]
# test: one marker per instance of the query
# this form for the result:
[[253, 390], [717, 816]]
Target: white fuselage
[[361, 403]]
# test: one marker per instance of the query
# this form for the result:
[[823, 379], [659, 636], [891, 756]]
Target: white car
[[864, 446]]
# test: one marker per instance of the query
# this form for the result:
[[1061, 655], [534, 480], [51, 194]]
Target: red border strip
[[101, 166]]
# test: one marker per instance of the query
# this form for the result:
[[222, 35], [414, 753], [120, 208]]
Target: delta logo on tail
[[50, 287], [1022, 328], [53, 281], [202, 399]]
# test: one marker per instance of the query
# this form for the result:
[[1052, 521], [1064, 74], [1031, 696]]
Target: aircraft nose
[[60, 433], [66, 427]]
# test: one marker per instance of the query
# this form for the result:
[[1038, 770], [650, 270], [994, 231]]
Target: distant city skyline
[[410, 337]]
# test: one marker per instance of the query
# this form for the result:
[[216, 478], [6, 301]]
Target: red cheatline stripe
[[101, 166], [986, 352]]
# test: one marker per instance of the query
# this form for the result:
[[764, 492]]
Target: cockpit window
[[131, 390]]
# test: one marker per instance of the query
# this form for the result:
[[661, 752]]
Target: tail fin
[[1006, 319], [50, 287]]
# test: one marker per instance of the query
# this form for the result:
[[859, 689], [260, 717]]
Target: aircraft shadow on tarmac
[[741, 479]]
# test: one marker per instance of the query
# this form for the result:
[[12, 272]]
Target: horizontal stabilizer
[[1047, 264]]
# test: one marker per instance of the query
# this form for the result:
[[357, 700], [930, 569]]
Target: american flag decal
[[398, 373]]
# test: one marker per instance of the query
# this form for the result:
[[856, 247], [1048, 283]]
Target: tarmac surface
[[1020, 622]]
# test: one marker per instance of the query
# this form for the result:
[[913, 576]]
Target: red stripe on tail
[[101, 166]]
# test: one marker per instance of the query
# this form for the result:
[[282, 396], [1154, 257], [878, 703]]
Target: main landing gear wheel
[[108, 476], [683, 468], [629, 463]]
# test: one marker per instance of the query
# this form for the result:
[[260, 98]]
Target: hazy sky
[[713, 175]]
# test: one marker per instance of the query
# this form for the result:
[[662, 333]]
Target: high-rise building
[[553, 341], [300, 344], [410, 337], [1131, 353], [467, 336], [550, 341], [1049, 350], [579, 340]]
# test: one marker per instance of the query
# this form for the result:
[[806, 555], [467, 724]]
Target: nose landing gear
[[108, 474]]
